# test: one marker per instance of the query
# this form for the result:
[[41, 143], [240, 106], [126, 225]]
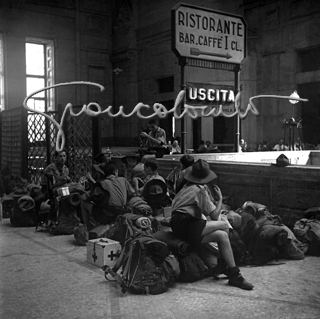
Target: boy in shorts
[[190, 209]]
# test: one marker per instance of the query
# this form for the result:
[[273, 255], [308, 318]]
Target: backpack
[[192, 268], [130, 225], [81, 234], [259, 231], [308, 231], [66, 219], [240, 252], [23, 213], [263, 247], [147, 267], [139, 206]]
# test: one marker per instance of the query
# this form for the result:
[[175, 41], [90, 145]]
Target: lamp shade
[[295, 95]]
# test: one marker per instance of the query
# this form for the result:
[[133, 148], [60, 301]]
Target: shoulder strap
[[126, 271], [123, 255], [108, 270]]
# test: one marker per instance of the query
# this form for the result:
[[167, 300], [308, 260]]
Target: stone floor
[[43, 276]]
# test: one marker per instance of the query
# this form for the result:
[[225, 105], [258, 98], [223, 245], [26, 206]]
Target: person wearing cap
[[100, 158], [196, 219], [98, 174], [175, 178], [186, 161], [151, 170], [133, 161]]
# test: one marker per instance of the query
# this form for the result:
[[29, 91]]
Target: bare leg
[[222, 239], [212, 226]]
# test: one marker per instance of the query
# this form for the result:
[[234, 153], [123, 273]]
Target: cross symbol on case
[[112, 255]]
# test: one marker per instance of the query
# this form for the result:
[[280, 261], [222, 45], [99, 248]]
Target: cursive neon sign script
[[159, 109]]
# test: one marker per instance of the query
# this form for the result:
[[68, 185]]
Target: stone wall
[[296, 157], [287, 191]]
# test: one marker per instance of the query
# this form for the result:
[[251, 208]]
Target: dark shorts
[[187, 228]]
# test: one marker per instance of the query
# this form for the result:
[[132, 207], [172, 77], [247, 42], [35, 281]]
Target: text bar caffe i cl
[[202, 33]]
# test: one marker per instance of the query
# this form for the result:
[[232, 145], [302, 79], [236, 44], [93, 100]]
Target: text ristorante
[[200, 22]]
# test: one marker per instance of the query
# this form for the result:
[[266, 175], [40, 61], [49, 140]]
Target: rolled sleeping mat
[[26, 203]]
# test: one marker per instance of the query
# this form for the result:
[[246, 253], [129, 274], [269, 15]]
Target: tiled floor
[[43, 276]]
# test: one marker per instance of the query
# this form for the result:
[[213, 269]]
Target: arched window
[[1, 74]]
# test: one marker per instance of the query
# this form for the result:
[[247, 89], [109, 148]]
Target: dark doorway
[[310, 112], [223, 130], [196, 133]]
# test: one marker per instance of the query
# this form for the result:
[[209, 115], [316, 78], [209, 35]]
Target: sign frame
[[221, 54]]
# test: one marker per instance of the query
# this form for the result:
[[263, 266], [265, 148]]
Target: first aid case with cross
[[103, 251]]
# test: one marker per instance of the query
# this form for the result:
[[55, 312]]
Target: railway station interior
[[234, 83]]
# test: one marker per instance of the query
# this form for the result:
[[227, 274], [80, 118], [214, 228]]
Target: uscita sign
[[210, 95]]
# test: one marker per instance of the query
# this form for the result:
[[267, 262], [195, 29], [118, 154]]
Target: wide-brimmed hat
[[98, 168], [99, 194], [154, 191], [100, 158], [282, 161], [132, 155], [199, 172]]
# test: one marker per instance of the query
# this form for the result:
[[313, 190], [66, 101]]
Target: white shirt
[[283, 147]]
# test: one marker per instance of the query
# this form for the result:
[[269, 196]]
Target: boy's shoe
[[220, 268], [236, 279]]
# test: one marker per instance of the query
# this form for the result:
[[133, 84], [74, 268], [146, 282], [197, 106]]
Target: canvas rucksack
[[240, 252], [23, 213], [308, 231], [66, 218], [130, 225], [146, 266], [81, 234], [192, 268]]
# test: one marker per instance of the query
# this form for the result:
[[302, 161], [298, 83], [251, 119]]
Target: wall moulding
[[123, 55]]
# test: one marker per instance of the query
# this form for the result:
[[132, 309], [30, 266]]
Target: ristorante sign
[[202, 33]]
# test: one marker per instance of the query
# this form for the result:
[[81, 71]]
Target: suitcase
[[103, 251]]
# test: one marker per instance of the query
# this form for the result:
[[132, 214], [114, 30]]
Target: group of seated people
[[118, 189], [196, 214], [207, 147], [281, 146], [195, 201]]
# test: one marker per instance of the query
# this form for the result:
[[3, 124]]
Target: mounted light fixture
[[295, 95]]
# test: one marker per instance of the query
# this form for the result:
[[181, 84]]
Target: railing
[[27, 143], [13, 139]]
